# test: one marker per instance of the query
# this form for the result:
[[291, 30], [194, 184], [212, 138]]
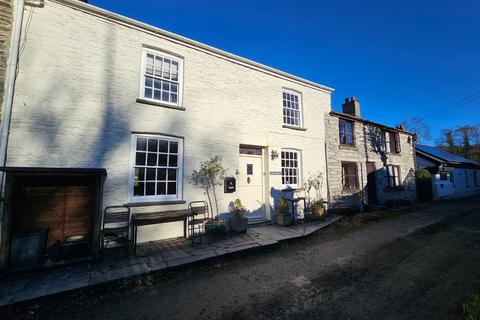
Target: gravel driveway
[[378, 271]]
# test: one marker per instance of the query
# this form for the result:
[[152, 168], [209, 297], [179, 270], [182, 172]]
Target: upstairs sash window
[[347, 136], [161, 78]]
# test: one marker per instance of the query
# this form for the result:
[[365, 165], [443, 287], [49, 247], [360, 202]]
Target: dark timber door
[[371, 183], [63, 204]]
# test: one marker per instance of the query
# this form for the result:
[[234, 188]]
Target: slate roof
[[443, 155]]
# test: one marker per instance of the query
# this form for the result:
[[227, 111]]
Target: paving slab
[[115, 264]]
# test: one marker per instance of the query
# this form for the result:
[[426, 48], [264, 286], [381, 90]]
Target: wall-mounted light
[[274, 154]]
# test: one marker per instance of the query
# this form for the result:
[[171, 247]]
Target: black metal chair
[[196, 223], [296, 197], [116, 226]]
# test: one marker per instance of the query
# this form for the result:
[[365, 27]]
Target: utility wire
[[459, 103]]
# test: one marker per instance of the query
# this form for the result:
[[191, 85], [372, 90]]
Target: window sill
[[293, 127], [350, 191], [160, 104], [154, 203], [393, 153], [347, 146]]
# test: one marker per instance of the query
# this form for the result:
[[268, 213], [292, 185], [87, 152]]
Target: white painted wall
[[75, 106], [442, 188], [464, 181]]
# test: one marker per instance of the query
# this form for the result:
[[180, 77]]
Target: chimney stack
[[351, 107]]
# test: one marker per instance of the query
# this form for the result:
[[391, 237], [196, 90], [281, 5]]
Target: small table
[[149, 218]]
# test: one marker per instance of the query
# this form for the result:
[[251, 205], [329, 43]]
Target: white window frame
[[300, 108], [141, 93], [299, 168], [155, 198]]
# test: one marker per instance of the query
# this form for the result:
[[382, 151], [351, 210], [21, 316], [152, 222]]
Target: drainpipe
[[326, 171], [11, 73]]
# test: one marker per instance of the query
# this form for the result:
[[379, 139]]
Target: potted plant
[[210, 175], [315, 204], [238, 222], [284, 217], [317, 209]]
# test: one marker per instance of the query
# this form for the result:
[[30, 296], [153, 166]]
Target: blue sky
[[401, 59]]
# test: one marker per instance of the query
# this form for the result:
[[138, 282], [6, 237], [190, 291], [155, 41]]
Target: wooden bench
[[157, 217]]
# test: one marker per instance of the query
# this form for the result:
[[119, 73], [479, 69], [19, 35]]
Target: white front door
[[250, 188]]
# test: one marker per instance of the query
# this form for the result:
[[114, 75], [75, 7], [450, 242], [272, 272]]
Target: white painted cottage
[[452, 176], [112, 111]]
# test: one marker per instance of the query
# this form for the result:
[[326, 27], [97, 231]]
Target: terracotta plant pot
[[239, 224], [318, 212]]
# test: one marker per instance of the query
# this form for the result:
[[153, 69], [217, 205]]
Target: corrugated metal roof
[[442, 154]]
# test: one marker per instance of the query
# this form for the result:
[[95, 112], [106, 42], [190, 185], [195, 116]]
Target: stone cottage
[[367, 163]]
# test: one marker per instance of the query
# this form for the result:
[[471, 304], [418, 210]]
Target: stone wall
[[367, 149], [6, 12]]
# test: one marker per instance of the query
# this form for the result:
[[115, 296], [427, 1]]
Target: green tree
[[209, 175]]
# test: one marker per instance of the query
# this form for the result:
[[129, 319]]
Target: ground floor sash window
[[156, 171]]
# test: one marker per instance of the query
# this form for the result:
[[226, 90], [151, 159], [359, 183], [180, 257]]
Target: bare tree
[[464, 141], [419, 127]]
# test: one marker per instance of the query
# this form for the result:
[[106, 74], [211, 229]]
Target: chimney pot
[[353, 98], [346, 99]]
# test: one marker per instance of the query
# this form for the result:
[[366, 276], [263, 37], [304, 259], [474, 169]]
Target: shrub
[[423, 179], [471, 309]]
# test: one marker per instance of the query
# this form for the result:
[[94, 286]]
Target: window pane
[[174, 71], [173, 147], [140, 158], [166, 69], [165, 86], [148, 93], [150, 189], [162, 160], [141, 173], [148, 82], [165, 96], [157, 84], [149, 64], [174, 87], [172, 160], [172, 188], [156, 94], [139, 189], [173, 98], [150, 174], [152, 145], [158, 66], [172, 174], [161, 188], [162, 174], [141, 144], [163, 146], [152, 159]]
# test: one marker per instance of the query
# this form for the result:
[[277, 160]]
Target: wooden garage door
[[64, 205]]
